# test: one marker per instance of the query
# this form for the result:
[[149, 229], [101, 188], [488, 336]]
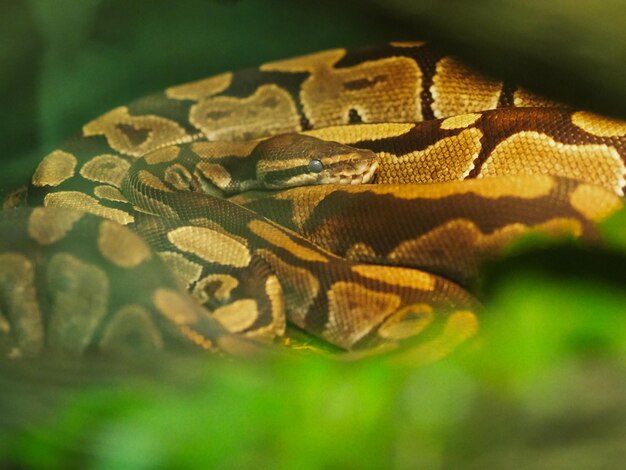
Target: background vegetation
[[542, 389]]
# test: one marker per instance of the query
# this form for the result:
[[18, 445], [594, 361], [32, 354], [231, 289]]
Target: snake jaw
[[363, 177], [356, 166], [368, 176]]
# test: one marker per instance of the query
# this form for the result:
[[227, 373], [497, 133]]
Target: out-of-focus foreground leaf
[[543, 388]]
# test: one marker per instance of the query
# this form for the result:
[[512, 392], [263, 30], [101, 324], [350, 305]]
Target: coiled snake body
[[227, 207]]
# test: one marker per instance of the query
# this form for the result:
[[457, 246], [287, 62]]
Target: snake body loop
[[222, 210]]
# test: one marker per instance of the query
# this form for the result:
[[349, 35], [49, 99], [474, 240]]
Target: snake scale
[[350, 193]]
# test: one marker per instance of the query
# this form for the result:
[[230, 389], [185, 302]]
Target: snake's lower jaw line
[[362, 178], [369, 175]]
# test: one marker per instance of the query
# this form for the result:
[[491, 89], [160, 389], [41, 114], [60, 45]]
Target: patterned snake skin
[[349, 193]]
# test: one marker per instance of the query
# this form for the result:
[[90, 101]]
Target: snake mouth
[[356, 178]]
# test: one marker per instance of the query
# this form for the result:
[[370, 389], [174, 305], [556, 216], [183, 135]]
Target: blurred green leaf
[[613, 231]]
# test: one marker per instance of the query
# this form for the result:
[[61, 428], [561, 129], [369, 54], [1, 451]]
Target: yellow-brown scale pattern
[[152, 227]]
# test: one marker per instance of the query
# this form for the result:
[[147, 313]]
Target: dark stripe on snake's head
[[290, 160]]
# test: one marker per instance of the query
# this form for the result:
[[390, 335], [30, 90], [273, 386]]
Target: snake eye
[[316, 166]]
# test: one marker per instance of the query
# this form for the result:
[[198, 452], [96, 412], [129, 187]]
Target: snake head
[[289, 160]]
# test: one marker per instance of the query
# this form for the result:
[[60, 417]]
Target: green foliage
[[550, 357]]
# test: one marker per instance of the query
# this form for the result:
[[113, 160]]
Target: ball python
[[349, 193]]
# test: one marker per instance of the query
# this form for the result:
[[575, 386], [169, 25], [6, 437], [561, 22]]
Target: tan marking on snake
[[179, 177], [438, 162], [163, 155], [599, 125], [405, 277], [173, 306], [215, 286], [407, 322], [238, 316], [215, 173], [79, 295], [55, 168], [354, 310], [210, 245], [216, 149], [594, 202], [18, 297], [49, 225], [599, 164], [135, 135], [329, 94], [361, 132], [182, 311], [131, 330], [361, 252], [531, 187], [198, 339], [303, 203], [459, 122], [185, 271], [83, 202], [121, 246], [270, 166], [108, 169], [201, 88], [208, 223], [269, 110], [274, 292], [148, 179], [276, 326], [300, 286], [109, 193], [457, 89], [277, 238], [144, 201]]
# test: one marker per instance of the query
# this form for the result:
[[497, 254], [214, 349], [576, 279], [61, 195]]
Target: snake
[[350, 195]]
